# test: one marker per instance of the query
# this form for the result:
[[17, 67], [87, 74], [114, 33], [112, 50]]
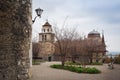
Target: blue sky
[[85, 14]]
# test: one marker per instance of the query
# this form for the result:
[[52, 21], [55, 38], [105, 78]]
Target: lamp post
[[38, 12]]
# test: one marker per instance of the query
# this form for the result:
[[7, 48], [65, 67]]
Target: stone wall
[[15, 35]]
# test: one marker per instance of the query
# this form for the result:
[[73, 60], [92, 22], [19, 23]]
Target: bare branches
[[36, 49], [64, 38]]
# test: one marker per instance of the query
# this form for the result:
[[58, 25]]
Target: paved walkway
[[44, 72]]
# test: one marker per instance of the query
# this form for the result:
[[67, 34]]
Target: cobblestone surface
[[44, 72]]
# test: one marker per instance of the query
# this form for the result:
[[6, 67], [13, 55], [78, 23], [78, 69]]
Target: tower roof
[[94, 32], [47, 24]]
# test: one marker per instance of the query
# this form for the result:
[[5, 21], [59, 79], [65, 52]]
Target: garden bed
[[77, 69]]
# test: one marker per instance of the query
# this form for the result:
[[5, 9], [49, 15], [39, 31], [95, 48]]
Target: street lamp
[[38, 12]]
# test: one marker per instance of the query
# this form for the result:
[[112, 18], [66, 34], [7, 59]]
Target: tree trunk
[[15, 35], [63, 61]]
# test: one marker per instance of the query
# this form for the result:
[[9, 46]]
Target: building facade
[[88, 50], [46, 42]]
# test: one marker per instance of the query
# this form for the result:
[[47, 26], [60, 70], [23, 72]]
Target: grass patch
[[77, 69], [36, 61]]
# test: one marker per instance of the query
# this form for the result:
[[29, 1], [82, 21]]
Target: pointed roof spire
[[103, 40], [47, 23]]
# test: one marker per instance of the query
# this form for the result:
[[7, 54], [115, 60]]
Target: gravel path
[[44, 72]]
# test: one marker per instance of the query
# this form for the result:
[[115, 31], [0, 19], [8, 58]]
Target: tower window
[[48, 30], [44, 30]]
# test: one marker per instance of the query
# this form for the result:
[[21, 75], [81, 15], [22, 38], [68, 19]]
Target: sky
[[86, 15]]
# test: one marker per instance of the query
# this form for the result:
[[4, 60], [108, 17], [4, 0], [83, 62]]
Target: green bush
[[71, 63], [80, 70], [57, 66], [92, 70], [71, 68], [76, 69], [66, 67]]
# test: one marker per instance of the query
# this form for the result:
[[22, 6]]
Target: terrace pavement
[[44, 72]]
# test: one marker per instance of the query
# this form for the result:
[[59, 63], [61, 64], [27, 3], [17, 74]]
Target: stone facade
[[15, 35]]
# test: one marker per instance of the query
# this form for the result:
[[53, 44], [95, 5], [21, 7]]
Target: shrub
[[71, 63], [76, 69], [58, 66], [71, 68], [92, 70], [80, 70], [66, 67]]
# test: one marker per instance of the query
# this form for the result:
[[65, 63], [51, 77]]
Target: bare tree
[[36, 49], [73, 47], [64, 37], [81, 50]]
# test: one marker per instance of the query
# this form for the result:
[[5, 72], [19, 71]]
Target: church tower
[[47, 35], [46, 41]]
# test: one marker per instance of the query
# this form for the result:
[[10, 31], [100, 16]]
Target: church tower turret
[[47, 28], [46, 41], [47, 34]]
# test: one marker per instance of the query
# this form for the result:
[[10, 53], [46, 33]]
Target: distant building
[[46, 42], [97, 46], [88, 50]]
